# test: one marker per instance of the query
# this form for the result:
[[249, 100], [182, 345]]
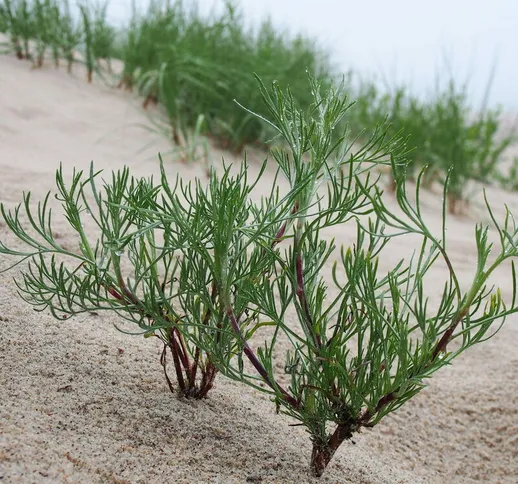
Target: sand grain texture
[[82, 403]]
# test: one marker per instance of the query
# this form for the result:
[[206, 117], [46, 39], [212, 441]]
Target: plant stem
[[163, 362], [176, 361], [207, 381], [181, 350], [442, 343], [257, 364], [301, 294], [323, 453], [206, 318], [280, 233], [300, 290]]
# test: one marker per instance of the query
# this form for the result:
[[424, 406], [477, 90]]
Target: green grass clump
[[99, 36], [405, 113], [193, 64], [469, 144], [4, 25], [444, 134], [46, 29], [71, 35], [36, 27], [19, 21]]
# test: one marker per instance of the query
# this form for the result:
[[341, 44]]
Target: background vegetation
[[194, 65]]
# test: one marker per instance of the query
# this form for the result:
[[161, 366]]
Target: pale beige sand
[[81, 402]]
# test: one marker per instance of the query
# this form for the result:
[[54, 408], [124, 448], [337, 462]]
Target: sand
[[82, 403]]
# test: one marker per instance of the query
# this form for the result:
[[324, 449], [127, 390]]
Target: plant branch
[[257, 364], [280, 233]]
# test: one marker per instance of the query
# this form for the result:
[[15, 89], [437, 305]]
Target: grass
[[99, 37], [37, 27], [445, 134], [193, 65]]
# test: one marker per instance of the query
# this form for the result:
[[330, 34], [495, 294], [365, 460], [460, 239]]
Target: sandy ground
[[81, 402]]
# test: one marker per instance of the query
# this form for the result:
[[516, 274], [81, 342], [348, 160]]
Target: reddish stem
[[114, 293], [439, 348], [207, 382], [257, 364], [194, 367], [181, 350], [163, 362], [280, 234], [176, 136], [176, 360], [323, 453]]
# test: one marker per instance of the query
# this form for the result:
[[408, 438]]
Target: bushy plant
[[35, 26], [18, 23], [509, 178], [4, 22], [70, 35], [45, 20], [406, 116], [192, 65], [223, 278]]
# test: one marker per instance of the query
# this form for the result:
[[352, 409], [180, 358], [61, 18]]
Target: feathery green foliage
[[406, 114], [227, 280]]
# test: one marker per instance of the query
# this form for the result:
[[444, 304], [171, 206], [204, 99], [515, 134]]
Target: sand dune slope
[[81, 402]]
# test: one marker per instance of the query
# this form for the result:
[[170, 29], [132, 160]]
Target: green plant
[[89, 57], [443, 131], [194, 64], [43, 29], [509, 178], [4, 20], [215, 274], [406, 114], [19, 25], [43, 24], [99, 37], [70, 35], [195, 145], [468, 144], [368, 346]]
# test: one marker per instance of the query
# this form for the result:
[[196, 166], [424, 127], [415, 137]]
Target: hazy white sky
[[406, 40]]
